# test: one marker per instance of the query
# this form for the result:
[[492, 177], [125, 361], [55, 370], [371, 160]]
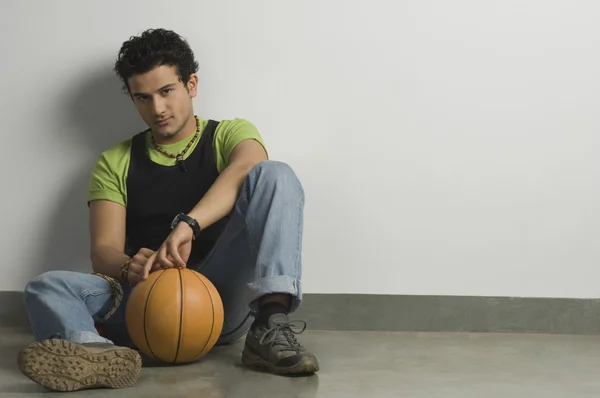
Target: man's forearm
[[107, 260], [217, 203], [222, 195]]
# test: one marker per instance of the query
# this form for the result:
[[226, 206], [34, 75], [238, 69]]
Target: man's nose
[[158, 106]]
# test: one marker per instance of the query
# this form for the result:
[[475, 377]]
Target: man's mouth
[[163, 122]]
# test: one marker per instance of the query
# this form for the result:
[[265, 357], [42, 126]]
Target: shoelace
[[283, 334]]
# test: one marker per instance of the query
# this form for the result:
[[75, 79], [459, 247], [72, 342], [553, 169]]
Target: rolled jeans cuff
[[281, 284]]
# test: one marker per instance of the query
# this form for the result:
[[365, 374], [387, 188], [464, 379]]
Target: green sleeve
[[230, 133], [108, 180]]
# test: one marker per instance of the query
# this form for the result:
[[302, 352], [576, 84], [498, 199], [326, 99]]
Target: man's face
[[163, 101]]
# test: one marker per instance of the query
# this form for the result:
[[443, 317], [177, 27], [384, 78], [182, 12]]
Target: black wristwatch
[[189, 221]]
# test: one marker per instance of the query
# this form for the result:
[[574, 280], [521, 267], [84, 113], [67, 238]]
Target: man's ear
[[192, 85]]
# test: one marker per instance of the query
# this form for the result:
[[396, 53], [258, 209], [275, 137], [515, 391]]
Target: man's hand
[[137, 265], [174, 252]]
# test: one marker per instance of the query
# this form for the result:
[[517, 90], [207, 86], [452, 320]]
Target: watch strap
[[189, 221]]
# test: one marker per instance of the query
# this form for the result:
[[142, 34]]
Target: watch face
[[175, 221]]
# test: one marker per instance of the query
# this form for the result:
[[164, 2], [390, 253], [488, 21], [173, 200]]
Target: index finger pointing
[[148, 266]]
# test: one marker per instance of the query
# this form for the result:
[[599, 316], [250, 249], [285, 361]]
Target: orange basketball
[[174, 316]]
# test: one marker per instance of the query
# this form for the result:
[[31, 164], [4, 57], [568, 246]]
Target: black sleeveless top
[[157, 193]]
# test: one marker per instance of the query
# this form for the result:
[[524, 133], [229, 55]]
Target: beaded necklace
[[180, 155]]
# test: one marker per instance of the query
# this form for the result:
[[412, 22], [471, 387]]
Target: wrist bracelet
[[125, 271]]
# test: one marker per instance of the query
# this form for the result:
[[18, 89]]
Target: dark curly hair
[[155, 47]]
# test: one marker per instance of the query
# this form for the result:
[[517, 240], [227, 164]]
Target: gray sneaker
[[61, 365], [275, 348]]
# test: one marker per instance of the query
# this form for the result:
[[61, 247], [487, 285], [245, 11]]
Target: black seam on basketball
[[180, 316], [212, 327], [145, 310]]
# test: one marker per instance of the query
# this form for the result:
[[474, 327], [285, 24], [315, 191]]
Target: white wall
[[446, 147]]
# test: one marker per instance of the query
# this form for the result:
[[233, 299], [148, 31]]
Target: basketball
[[174, 316]]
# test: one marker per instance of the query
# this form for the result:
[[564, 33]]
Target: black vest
[[156, 194]]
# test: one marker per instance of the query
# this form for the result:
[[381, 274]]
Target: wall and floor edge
[[366, 312]]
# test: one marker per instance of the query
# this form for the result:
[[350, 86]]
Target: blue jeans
[[259, 253]]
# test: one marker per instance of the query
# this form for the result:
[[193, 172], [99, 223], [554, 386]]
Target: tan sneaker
[[61, 365], [274, 348]]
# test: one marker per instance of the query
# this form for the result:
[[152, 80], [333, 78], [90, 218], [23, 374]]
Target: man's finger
[[136, 268], [155, 267], [146, 252], [147, 267], [175, 254], [163, 260], [139, 259]]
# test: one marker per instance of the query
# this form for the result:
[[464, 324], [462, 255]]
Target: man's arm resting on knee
[[218, 202], [107, 237], [222, 195]]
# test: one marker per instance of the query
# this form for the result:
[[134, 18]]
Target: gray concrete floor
[[368, 364]]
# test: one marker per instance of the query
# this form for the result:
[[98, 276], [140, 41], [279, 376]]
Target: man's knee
[[52, 281], [279, 173], [44, 281], [40, 286], [274, 169]]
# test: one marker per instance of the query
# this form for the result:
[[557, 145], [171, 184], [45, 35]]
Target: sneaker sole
[[60, 365], [306, 366]]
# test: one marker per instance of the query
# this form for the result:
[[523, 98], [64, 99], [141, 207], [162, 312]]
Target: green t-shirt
[[109, 177]]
